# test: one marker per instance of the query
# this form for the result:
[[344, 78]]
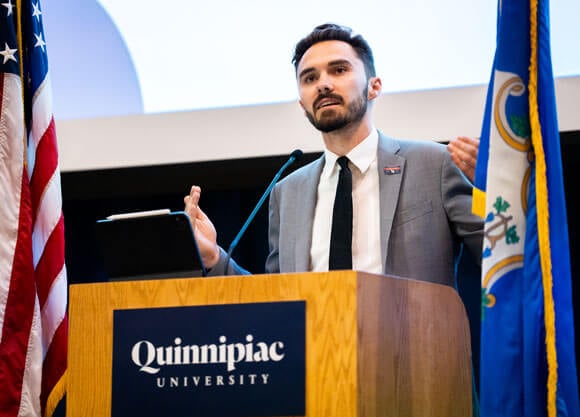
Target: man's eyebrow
[[334, 63], [305, 71], [340, 62]]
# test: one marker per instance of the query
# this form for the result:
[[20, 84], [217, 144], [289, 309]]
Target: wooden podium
[[375, 345]]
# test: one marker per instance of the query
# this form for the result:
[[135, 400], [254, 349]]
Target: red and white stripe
[[33, 283], [48, 244], [18, 293]]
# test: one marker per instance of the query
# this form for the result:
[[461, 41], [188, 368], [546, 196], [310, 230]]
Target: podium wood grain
[[375, 345]]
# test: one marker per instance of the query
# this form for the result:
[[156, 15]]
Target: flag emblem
[[392, 170]]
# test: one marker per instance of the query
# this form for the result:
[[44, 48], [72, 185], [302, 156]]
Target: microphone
[[294, 156]]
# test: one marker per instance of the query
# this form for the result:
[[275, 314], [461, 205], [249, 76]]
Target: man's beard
[[356, 110]]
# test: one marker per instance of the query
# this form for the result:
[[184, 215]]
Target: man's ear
[[375, 87]]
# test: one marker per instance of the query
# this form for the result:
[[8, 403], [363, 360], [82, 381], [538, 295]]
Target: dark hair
[[334, 32]]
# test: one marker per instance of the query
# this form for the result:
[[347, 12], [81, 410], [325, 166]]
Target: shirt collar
[[361, 156]]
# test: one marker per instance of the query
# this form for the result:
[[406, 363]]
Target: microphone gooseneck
[[294, 156]]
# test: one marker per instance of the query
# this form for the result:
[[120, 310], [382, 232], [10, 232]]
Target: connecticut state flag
[[527, 365]]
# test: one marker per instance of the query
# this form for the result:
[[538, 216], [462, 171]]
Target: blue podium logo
[[224, 360]]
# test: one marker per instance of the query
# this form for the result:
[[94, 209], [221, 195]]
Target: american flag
[[33, 282]]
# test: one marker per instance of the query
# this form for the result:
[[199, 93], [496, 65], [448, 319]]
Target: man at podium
[[370, 202]]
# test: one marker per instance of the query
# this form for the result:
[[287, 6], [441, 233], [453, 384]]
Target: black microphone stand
[[294, 156]]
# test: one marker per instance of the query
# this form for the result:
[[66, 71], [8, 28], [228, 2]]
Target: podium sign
[[215, 360]]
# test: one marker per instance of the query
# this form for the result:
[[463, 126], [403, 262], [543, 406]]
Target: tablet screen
[[149, 245]]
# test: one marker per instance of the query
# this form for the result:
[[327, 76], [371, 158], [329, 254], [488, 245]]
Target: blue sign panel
[[235, 360]]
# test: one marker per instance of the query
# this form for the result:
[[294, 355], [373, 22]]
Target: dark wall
[[230, 190], [571, 166]]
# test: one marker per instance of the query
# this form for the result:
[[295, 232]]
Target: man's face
[[333, 86]]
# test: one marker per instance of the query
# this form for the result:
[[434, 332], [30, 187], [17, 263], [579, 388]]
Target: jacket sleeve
[[225, 267], [457, 197]]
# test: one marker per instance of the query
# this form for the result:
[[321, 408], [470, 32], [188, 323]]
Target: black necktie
[[341, 235]]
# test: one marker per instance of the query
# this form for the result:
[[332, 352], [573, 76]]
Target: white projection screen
[[143, 83]]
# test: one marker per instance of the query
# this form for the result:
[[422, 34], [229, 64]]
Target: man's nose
[[324, 84]]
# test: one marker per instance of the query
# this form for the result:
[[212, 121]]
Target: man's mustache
[[324, 97]]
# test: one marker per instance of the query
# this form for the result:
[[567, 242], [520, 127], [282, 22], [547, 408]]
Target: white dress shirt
[[366, 238]]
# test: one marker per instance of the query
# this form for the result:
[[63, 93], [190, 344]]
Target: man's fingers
[[468, 145], [191, 201], [469, 141], [194, 195], [464, 149]]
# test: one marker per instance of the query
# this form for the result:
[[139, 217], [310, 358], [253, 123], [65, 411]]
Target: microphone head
[[297, 154]]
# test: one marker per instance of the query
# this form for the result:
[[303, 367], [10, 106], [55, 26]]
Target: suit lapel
[[391, 170], [306, 195]]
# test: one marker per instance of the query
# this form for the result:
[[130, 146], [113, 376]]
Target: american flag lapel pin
[[392, 170]]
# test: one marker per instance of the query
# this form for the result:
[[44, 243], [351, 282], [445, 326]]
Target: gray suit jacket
[[425, 214]]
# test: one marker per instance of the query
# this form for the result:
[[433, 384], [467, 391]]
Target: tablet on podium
[[147, 245]]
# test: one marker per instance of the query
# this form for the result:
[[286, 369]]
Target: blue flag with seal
[[527, 363]]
